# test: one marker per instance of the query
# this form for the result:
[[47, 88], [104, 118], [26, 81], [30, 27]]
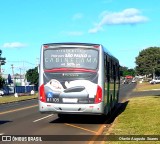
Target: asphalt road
[[126, 91], [23, 118]]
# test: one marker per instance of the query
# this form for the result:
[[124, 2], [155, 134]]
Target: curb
[[17, 101]]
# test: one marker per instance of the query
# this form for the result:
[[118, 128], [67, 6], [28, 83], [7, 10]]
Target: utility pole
[[20, 75], [13, 73], [37, 64]]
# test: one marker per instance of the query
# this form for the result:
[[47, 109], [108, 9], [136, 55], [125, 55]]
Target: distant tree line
[[32, 76], [125, 71], [148, 62], [2, 62]]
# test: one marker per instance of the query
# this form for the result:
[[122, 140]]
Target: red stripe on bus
[[96, 46], [45, 46], [66, 70]]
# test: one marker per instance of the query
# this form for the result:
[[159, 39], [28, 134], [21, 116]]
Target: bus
[[77, 78]]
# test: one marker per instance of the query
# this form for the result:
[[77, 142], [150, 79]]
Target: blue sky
[[125, 27]]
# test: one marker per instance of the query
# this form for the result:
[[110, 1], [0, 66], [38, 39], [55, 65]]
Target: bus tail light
[[98, 97], [42, 93]]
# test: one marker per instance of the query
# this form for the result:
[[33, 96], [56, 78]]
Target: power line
[[20, 62]]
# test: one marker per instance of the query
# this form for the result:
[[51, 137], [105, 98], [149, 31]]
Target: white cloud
[[77, 16], [14, 45], [127, 16], [97, 28]]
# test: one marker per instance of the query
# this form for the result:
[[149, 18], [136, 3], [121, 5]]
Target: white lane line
[[152, 90], [1, 133], [19, 109], [43, 118]]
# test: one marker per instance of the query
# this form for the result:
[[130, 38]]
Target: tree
[[32, 76], [9, 79], [148, 61], [2, 81], [131, 72], [124, 71], [2, 60]]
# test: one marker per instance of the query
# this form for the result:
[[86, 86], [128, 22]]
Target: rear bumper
[[71, 108]]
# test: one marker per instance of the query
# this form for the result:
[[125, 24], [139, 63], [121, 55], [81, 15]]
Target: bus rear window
[[71, 58]]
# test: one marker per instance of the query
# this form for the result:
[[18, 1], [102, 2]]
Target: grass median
[[12, 98], [140, 117], [145, 86]]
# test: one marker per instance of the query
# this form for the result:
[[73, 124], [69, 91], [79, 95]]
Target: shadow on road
[[80, 119], [93, 119], [4, 121], [120, 108]]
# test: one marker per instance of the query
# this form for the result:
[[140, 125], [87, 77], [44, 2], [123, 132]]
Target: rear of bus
[[70, 79]]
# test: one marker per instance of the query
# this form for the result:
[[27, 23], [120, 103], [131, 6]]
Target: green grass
[[141, 117], [6, 99], [146, 86]]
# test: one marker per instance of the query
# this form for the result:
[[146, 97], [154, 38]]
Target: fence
[[19, 89]]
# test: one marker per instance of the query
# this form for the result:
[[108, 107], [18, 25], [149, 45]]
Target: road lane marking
[[81, 128], [150, 90], [99, 132], [19, 109], [1, 133], [102, 128], [43, 118]]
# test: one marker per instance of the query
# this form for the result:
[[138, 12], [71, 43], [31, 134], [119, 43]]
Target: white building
[[17, 79]]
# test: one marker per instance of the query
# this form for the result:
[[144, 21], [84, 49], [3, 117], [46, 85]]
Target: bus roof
[[72, 43], [85, 44]]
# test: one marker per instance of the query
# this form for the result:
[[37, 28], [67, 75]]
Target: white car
[[155, 81], [134, 81], [1, 93]]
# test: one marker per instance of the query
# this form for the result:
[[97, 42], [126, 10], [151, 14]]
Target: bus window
[[71, 58]]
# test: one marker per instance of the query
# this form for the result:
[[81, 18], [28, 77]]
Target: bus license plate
[[70, 100]]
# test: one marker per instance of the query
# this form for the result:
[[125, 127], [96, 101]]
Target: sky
[[124, 27]]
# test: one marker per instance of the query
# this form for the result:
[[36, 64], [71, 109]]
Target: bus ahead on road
[[77, 78]]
